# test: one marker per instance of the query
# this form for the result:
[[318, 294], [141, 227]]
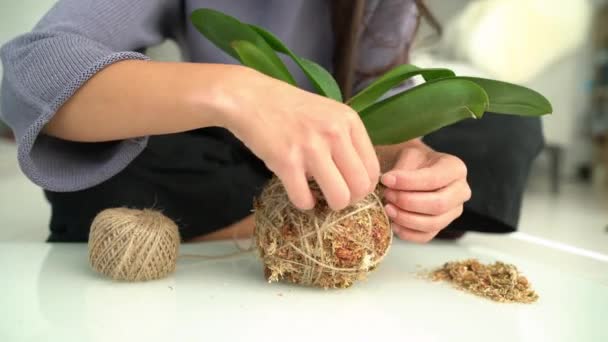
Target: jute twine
[[133, 245], [320, 247]]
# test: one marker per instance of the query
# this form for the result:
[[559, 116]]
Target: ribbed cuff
[[45, 160]]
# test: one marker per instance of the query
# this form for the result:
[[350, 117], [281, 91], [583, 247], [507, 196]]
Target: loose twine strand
[[240, 251], [138, 245], [134, 245]]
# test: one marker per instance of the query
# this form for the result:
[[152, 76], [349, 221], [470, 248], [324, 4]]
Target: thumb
[[410, 159]]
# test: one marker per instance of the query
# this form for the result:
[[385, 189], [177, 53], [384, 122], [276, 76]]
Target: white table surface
[[48, 293]]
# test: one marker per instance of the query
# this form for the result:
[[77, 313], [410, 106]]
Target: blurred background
[[558, 48]]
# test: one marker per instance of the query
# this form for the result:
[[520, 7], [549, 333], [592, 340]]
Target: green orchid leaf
[[320, 78], [251, 56], [223, 30], [392, 78], [508, 98], [423, 109]]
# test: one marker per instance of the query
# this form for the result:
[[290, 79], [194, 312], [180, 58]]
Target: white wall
[[17, 17], [20, 16], [564, 83]]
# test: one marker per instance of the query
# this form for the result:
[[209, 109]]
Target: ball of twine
[[133, 245], [319, 247]]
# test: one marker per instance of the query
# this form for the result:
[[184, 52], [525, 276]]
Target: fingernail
[[389, 180], [390, 196], [390, 211]]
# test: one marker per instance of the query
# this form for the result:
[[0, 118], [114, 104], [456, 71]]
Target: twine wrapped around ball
[[133, 245], [319, 247]]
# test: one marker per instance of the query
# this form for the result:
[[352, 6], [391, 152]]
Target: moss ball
[[319, 247]]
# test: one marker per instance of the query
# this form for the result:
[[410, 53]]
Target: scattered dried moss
[[499, 281]]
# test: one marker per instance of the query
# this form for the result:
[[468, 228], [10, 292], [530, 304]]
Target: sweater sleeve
[[45, 67]]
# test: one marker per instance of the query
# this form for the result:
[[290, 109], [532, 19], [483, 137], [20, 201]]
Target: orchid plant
[[443, 99]]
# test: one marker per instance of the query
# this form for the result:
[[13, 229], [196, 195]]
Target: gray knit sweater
[[78, 38]]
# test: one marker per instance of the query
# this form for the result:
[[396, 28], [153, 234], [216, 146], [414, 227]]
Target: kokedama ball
[[319, 247]]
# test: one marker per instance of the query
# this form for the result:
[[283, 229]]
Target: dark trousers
[[206, 179]]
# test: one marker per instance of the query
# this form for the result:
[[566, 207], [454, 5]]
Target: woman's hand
[[299, 134], [425, 191]]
